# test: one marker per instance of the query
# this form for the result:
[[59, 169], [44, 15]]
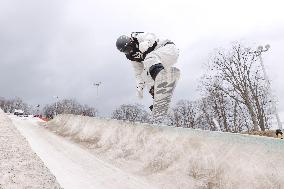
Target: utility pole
[[258, 53], [97, 85]]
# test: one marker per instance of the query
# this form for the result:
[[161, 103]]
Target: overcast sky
[[60, 48]]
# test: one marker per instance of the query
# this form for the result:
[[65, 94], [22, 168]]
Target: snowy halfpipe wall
[[20, 167], [172, 157]]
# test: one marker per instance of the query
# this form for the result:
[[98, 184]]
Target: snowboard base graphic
[[165, 84]]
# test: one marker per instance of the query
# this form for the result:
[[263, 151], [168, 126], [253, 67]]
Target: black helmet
[[123, 44]]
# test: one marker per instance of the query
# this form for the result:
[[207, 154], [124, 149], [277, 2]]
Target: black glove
[[152, 92]]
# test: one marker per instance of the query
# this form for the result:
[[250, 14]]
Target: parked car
[[18, 112]]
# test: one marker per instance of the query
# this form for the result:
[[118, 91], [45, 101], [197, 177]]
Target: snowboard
[[164, 86]]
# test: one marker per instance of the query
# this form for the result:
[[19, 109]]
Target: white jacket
[[165, 54]]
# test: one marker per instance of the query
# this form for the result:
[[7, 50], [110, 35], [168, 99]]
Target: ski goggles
[[127, 48]]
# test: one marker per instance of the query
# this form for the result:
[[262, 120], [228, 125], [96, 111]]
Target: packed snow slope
[[172, 157], [74, 167], [20, 167]]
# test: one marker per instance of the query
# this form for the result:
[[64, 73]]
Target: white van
[[18, 112]]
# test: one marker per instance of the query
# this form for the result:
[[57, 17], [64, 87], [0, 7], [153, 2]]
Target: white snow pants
[[167, 55]]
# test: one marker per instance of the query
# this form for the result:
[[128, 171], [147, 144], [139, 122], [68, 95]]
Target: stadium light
[[259, 52], [97, 85]]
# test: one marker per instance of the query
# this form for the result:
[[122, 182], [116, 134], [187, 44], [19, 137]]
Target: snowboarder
[[148, 55]]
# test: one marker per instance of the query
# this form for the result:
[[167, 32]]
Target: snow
[[20, 167], [73, 166], [274, 122], [104, 153], [169, 157]]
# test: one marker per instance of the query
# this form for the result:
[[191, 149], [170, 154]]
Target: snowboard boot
[[155, 69]]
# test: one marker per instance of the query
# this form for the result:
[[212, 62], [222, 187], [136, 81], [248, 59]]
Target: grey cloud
[[50, 48]]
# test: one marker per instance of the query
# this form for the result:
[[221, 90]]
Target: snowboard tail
[[165, 84]]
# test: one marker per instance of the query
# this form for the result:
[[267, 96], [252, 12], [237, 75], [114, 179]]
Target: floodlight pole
[[97, 85], [259, 51]]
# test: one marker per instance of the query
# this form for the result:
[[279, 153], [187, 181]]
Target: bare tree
[[69, 106], [2, 103], [239, 73], [184, 114], [226, 113], [9, 105], [131, 112], [206, 115]]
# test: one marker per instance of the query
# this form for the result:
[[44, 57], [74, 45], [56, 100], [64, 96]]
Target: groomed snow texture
[[170, 157]]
